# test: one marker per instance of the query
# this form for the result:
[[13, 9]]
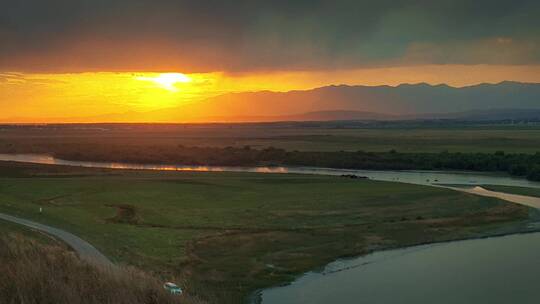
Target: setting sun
[[167, 80]]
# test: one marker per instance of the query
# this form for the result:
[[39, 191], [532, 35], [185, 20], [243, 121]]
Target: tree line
[[526, 165]]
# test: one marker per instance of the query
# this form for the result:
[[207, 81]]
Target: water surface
[[413, 177], [493, 270]]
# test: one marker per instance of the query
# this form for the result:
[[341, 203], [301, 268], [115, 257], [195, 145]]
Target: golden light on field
[[167, 80]]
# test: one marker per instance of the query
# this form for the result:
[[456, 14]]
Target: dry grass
[[32, 272]]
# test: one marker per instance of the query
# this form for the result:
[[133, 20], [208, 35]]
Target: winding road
[[85, 251]]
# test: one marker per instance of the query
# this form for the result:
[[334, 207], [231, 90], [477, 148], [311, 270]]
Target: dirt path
[[85, 251], [530, 201]]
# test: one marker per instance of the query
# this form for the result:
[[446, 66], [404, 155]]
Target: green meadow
[[225, 235]]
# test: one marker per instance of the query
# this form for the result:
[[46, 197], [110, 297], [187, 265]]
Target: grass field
[[7, 228], [489, 139], [225, 235], [37, 268]]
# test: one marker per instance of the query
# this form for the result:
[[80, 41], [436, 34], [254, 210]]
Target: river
[[469, 181], [431, 178], [493, 270]]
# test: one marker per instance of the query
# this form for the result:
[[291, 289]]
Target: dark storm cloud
[[199, 35]]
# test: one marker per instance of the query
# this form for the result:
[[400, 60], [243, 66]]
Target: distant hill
[[505, 100], [491, 114], [309, 116], [474, 115], [364, 102]]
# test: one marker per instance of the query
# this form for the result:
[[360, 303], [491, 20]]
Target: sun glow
[[131, 96], [167, 81]]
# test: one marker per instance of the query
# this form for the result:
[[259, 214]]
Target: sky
[[61, 57]]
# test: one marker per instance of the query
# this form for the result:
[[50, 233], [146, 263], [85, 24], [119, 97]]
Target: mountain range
[[505, 100]]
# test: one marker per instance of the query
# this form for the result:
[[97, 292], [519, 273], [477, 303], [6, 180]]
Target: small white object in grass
[[172, 288]]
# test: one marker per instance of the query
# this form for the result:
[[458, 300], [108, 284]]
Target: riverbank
[[532, 226], [465, 271], [102, 149], [225, 234]]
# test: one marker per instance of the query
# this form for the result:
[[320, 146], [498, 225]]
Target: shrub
[[534, 173]]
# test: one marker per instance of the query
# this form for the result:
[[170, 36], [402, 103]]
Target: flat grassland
[[326, 137], [225, 235]]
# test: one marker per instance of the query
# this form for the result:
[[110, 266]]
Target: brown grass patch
[[31, 272], [125, 214]]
